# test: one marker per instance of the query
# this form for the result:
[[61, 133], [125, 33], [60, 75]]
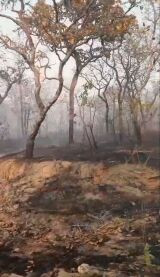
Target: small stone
[[63, 273], [30, 190], [48, 274], [89, 271], [83, 268], [16, 250], [15, 206], [33, 274]]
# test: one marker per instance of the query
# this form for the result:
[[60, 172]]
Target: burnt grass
[[70, 222]]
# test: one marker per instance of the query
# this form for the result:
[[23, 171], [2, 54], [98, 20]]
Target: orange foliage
[[107, 21]]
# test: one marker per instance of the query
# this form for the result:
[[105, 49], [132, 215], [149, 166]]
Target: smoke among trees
[[78, 72]]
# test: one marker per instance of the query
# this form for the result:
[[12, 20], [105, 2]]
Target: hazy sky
[[7, 27]]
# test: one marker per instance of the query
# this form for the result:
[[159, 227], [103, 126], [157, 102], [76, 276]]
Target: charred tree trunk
[[29, 148], [81, 114], [71, 107], [137, 131], [83, 117], [120, 119], [93, 137], [21, 111], [136, 125], [107, 118], [113, 119], [31, 139]]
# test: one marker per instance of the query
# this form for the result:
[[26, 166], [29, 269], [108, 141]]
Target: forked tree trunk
[[71, 107], [31, 139], [44, 110]]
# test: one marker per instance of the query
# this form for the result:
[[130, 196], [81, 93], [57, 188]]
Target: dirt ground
[[58, 215]]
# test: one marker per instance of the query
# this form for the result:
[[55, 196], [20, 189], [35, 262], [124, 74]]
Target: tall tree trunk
[[120, 119], [113, 119], [21, 110], [29, 148], [107, 118], [83, 116], [43, 109], [93, 137], [43, 112], [31, 139], [137, 131], [71, 107], [136, 125]]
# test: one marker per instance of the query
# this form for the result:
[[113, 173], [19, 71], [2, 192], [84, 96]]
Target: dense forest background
[[86, 81]]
